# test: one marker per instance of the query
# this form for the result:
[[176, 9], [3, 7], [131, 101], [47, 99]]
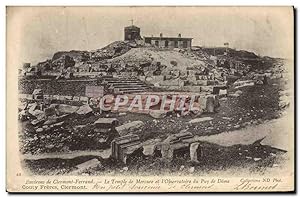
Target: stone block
[[123, 146], [129, 127]]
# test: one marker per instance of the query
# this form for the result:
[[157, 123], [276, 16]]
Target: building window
[[184, 44], [176, 44], [156, 43], [166, 43]]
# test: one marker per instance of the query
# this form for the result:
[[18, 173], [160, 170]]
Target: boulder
[[39, 130], [32, 107], [84, 110], [149, 146], [197, 120], [194, 147], [51, 120], [174, 143], [57, 125], [239, 92], [192, 169], [63, 108], [129, 127], [166, 152], [106, 122], [40, 115], [37, 122], [223, 92], [233, 95], [93, 163], [23, 115], [157, 114]]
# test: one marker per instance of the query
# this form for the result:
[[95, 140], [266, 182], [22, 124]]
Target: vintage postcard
[[150, 99]]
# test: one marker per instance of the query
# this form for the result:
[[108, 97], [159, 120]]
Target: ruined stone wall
[[55, 87]]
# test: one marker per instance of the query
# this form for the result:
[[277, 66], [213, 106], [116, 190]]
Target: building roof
[[132, 27], [168, 38]]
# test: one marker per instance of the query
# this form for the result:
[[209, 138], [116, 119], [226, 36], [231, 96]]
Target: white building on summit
[[132, 33]]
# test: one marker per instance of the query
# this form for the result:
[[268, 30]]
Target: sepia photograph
[[150, 99]]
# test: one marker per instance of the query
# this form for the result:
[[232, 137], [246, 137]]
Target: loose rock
[[196, 120]]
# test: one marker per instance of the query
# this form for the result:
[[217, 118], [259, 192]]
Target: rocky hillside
[[242, 54], [124, 56], [169, 59]]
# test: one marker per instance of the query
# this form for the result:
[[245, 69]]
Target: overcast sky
[[36, 33]]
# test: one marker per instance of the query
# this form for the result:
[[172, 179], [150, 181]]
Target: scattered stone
[[64, 108], [23, 115], [223, 99], [102, 140], [106, 122], [223, 92], [247, 157], [122, 114], [256, 159], [39, 130], [181, 168], [37, 122], [36, 112], [237, 126], [192, 169], [226, 118], [51, 120], [59, 124], [239, 92], [125, 168], [157, 114], [50, 146], [129, 127], [272, 154], [84, 110], [196, 120]]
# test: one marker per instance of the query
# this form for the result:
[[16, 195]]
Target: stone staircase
[[125, 85]]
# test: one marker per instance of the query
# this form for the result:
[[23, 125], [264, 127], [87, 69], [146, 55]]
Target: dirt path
[[69, 155], [276, 133]]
